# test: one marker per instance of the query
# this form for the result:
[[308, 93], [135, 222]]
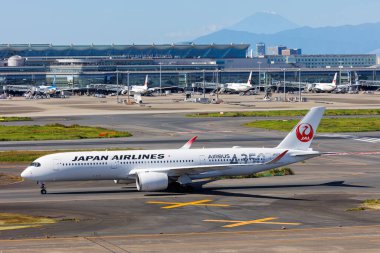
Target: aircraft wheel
[[43, 191]]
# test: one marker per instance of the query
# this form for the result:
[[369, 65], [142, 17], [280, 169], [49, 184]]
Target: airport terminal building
[[167, 65]]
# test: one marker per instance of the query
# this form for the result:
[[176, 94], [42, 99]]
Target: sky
[[160, 21]]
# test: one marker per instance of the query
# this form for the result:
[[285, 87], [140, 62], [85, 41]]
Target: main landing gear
[[43, 189], [177, 187]]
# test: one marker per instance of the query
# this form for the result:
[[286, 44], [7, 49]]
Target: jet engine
[[152, 181]]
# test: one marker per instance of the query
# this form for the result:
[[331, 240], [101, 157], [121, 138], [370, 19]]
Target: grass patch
[[9, 119], [22, 156], [268, 173], [368, 204], [286, 113], [6, 179], [56, 132], [329, 125], [9, 221], [26, 156]]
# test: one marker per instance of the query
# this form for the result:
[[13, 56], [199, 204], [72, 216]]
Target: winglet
[[278, 158], [189, 143]]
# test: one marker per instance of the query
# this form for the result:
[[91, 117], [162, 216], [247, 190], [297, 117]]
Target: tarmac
[[308, 211], [174, 103]]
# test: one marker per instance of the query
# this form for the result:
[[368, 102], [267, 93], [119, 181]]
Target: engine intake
[[152, 181]]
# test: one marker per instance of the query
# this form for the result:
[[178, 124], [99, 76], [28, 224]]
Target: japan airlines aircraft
[[325, 87], [140, 89], [154, 170], [240, 87]]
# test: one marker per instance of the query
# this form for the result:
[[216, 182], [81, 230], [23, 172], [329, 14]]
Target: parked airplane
[[154, 170], [240, 87], [325, 87], [48, 89], [140, 89]]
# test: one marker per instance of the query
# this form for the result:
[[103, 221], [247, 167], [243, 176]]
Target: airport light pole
[[284, 85], [117, 84], [299, 84], [259, 62], [160, 79], [128, 85], [217, 84], [340, 72], [204, 93]]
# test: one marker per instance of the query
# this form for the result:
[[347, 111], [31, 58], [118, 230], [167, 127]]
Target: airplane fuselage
[[139, 89], [324, 87], [240, 87], [120, 165]]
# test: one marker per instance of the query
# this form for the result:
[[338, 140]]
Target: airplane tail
[[356, 78], [249, 82], [303, 133], [54, 82], [146, 81], [334, 80]]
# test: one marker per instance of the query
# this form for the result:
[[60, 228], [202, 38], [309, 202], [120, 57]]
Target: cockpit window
[[35, 164]]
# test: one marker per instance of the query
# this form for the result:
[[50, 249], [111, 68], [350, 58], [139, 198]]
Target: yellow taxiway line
[[170, 205], [237, 223]]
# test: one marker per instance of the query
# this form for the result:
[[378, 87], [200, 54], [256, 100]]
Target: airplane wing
[[190, 170]]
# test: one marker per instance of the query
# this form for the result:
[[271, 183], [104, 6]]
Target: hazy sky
[[160, 21]]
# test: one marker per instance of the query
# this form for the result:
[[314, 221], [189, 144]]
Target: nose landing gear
[[43, 189]]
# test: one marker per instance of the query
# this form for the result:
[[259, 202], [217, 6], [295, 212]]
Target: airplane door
[[56, 165], [56, 168], [115, 165], [202, 160], [115, 169]]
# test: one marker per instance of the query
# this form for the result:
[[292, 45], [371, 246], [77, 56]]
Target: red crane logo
[[304, 132]]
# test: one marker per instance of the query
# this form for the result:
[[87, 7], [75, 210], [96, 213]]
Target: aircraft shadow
[[220, 191], [332, 184], [198, 188], [94, 192]]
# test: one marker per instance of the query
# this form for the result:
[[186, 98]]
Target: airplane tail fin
[[303, 133], [250, 79], [146, 81], [334, 80], [356, 78], [54, 82]]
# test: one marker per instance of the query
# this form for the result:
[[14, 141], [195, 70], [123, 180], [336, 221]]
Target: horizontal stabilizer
[[278, 158]]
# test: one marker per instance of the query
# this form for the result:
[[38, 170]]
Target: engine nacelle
[[152, 181]]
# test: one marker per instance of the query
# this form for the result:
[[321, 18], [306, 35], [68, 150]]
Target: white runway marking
[[354, 153], [200, 132], [368, 139]]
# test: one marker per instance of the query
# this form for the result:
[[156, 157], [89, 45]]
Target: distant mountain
[[264, 22], [348, 39]]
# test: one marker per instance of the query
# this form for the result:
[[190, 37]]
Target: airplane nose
[[27, 173]]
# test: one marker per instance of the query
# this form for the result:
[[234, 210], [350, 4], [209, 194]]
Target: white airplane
[[154, 170], [240, 87], [48, 89], [139, 89], [325, 87]]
